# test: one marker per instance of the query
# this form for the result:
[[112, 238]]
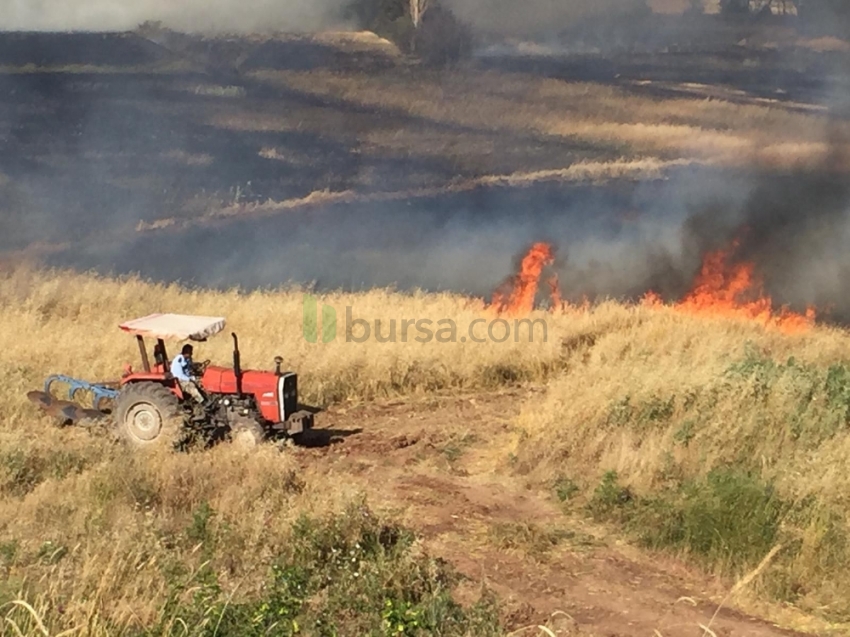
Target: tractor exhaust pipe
[[237, 365]]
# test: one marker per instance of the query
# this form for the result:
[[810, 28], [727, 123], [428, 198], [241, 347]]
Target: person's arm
[[177, 369]]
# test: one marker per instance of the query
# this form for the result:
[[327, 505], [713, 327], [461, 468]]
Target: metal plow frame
[[68, 410]]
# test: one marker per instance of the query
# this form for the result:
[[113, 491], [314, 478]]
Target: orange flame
[[723, 288], [727, 289], [516, 296]]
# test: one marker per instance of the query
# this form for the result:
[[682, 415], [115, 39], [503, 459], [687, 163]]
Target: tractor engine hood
[[272, 393]]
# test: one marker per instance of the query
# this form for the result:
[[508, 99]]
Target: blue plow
[[68, 410]]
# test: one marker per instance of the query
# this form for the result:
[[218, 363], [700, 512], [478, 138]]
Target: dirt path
[[444, 464]]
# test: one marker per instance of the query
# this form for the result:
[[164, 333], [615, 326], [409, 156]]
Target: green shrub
[[610, 500], [821, 398], [22, 470], [344, 574], [651, 413], [729, 519], [565, 488]]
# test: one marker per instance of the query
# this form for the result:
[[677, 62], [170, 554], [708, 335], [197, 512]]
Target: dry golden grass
[[585, 112], [825, 43], [64, 322], [357, 41], [103, 521], [657, 402], [587, 172], [99, 544], [71, 324], [114, 518], [668, 354]]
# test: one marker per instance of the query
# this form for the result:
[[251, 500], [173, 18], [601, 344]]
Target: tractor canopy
[[179, 327]]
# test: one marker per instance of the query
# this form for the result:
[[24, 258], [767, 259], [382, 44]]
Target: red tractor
[[149, 406]]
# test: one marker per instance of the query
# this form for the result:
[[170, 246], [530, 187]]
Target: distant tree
[[417, 11], [424, 27], [441, 38], [151, 28]]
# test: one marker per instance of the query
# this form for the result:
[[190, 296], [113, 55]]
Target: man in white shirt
[[181, 369]]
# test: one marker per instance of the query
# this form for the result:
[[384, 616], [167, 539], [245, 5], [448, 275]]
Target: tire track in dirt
[[442, 461]]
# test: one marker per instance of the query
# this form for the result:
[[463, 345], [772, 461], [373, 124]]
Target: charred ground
[[295, 158]]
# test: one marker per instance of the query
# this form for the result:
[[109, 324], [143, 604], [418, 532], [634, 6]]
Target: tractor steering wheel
[[202, 367]]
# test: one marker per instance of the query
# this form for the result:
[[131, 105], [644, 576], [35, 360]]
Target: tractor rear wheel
[[147, 415], [246, 432]]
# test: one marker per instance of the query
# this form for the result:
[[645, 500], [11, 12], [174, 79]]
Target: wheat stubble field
[[670, 468]]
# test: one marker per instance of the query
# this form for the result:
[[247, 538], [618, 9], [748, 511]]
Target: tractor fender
[[172, 385]]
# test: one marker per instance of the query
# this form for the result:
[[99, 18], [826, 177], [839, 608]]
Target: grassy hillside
[[108, 543], [713, 440], [718, 440]]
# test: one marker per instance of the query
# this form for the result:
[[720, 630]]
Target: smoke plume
[[87, 157], [793, 227], [538, 17], [186, 15]]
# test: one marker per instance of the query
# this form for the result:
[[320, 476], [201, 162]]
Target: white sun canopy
[[180, 327]]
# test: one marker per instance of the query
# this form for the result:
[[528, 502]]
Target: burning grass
[[720, 448], [728, 288], [517, 296]]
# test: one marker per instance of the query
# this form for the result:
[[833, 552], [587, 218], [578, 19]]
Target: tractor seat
[[161, 360]]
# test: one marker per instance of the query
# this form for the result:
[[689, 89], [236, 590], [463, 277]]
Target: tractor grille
[[288, 395]]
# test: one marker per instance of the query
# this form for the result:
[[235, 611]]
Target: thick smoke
[[185, 15], [536, 17], [617, 241], [792, 226], [98, 155], [505, 17], [795, 228]]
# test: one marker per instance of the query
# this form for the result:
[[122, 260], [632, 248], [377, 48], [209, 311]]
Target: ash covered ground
[[260, 161]]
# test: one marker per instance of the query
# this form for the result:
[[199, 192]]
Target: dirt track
[[443, 464]]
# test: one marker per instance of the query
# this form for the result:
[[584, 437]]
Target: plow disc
[[67, 410]]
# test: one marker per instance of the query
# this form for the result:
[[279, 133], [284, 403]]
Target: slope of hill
[[487, 462], [714, 444]]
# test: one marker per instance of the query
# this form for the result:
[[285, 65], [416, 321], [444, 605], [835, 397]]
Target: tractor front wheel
[[148, 414], [246, 432]]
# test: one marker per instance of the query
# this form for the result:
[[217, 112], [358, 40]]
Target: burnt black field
[[102, 132]]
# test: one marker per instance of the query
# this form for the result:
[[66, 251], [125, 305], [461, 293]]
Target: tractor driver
[[181, 369]]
